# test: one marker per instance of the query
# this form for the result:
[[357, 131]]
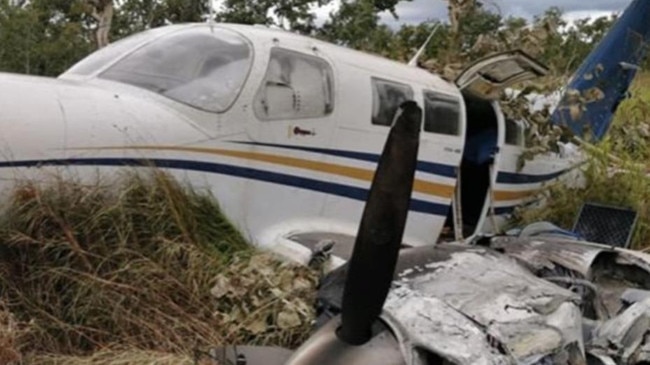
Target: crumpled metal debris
[[518, 300], [481, 307]]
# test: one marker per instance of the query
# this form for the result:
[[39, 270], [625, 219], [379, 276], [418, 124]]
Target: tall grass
[[147, 265], [616, 173]]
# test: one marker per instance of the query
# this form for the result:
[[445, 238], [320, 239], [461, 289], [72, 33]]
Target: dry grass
[[11, 335], [132, 266], [114, 357]]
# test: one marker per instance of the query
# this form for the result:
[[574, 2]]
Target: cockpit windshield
[[107, 55], [204, 67]]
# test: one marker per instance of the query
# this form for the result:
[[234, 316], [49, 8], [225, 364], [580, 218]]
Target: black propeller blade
[[378, 241]]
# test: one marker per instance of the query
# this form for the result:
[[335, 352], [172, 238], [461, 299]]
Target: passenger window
[[441, 114], [387, 97], [295, 86], [514, 133]]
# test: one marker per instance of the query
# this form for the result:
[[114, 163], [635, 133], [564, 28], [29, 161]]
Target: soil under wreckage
[[516, 301]]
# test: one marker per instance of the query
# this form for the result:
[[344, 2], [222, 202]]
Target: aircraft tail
[[603, 80]]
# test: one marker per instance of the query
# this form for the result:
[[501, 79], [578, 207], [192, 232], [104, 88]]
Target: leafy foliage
[[43, 37], [295, 14], [137, 15]]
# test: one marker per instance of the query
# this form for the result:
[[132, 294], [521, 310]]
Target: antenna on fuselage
[[211, 16], [414, 61]]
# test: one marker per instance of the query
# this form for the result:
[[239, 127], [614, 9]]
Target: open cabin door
[[482, 84], [488, 77]]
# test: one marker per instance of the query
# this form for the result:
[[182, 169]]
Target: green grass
[[146, 265]]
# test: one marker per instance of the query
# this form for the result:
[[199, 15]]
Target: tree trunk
[[457, 10], [102, 12]]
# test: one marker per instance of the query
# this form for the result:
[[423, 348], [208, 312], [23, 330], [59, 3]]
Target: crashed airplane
[[535, 300], [234, 109], [262, 117]]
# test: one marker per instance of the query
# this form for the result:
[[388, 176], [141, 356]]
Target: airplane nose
[[31, 116]]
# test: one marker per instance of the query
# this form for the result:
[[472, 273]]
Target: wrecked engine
[[512, 300]]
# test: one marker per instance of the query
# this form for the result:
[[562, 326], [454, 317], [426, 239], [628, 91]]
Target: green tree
[[47, 36], [580, 39], [137, 15], [356, 24], [296, 14], [475, 22], [43, 37]]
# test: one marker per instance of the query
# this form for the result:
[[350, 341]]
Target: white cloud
[[218, 5], [323, 13], [572, 16], [417, 11]]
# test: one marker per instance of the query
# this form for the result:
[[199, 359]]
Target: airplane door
[[489, 76], [482, 84], [441, 149]]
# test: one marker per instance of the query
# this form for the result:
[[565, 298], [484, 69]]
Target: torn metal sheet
[[482, 307], [623, 337], [542, 300], [546, 253]]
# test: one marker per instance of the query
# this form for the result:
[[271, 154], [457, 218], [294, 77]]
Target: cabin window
[[514, 133], [387, 98], [441, 114], [296, 86]]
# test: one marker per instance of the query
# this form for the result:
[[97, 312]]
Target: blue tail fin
[[602, 81]]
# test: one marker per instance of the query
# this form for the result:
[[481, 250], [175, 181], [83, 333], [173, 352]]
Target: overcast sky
[[421, 10], [418, 11]]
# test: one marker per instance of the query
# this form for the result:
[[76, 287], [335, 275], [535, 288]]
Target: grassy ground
[[616, 173], [143, 274]]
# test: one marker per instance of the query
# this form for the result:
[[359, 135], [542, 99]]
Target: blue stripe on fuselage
[[347, 191], [516, 178], [424, 166]]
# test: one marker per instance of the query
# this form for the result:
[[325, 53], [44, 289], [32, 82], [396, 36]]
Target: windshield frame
[[96, 75], [70, 72]]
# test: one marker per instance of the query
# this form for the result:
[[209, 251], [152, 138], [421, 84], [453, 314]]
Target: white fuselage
[[274, 178]]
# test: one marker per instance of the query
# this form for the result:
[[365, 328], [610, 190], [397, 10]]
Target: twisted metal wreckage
[[499, 300]]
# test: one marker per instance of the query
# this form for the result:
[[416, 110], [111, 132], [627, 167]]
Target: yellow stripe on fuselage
[[509, 195], [421, 186]]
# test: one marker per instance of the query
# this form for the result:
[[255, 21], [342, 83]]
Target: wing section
[[603, 80]]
